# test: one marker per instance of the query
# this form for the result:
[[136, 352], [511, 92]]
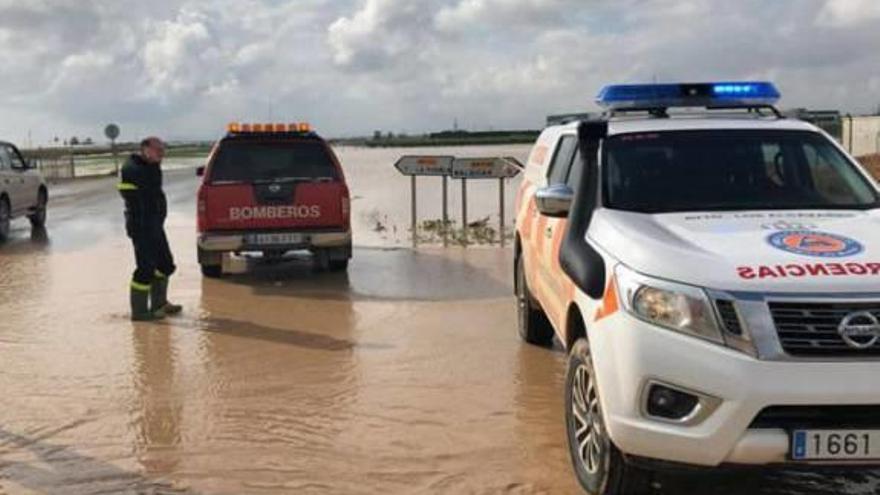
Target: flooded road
[[404, 375]]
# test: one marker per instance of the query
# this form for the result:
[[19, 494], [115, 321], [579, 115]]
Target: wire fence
[[57, 164], [56, 168], [70, 167]]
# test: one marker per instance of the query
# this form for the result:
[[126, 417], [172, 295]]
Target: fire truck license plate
[[275, 239]]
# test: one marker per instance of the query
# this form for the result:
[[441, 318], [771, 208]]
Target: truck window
[[828, 172], [15, 161], [558, 172], [730, 170], [5, 160], [269, 161]]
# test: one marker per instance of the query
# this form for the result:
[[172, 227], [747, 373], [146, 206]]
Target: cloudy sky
[[184, 68]]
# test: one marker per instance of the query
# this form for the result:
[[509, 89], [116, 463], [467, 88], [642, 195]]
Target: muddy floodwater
[[404, 375]]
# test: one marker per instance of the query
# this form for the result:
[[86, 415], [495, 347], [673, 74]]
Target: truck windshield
[[677, 171], [271, 161]]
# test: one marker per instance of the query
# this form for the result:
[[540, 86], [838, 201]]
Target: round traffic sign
[[111, 131]]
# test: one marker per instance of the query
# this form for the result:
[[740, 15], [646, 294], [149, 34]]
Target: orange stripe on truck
[[610, 303], [539, 155], [519, 195], [540, 232], [526, 224]]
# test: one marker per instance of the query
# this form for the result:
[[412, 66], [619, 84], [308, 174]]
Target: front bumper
[[241, 241], [629, 353]]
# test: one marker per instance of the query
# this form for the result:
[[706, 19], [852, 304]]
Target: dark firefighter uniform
[[145, 210]]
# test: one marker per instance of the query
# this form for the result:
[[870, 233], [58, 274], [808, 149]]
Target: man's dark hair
[[151, 141]]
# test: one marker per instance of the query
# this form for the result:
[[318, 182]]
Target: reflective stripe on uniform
[[126, 186], [159, 274], [140, 287]]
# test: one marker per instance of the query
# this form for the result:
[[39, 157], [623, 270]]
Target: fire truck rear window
[[254, 161]]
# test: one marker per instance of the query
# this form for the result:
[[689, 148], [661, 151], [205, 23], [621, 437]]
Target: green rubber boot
[[140, 304], [159, 296]]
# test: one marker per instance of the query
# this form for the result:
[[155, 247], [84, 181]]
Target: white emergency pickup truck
[[22, 190], [714, 271]]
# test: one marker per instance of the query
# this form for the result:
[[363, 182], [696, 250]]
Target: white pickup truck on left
[[22, 190]]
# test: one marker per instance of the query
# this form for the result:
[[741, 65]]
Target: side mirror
[[555, 200], [200, 171]]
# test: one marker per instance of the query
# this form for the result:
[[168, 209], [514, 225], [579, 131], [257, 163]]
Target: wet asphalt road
[[402, 376]]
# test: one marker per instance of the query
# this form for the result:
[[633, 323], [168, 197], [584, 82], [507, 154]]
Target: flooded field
[[404, 375]]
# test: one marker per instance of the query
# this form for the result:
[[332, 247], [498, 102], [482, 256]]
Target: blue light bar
[[659, 96]]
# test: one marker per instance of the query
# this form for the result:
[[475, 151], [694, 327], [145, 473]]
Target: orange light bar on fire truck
[[241, 128]]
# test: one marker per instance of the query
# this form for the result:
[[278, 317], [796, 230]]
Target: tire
[[38, 218], [5, 219], [211, 263], [212, 271], [599, 466], [534, 327], [338, 265]]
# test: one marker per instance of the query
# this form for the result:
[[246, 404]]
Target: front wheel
[[599, 466]]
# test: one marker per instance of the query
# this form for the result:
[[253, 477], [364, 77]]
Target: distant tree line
[[74, 141]]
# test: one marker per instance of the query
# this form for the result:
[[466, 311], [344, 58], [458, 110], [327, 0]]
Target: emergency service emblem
[[812, 243]]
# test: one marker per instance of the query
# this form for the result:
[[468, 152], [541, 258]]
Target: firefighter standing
[[145, 211]]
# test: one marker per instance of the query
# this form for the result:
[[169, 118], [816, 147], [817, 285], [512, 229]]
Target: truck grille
[[811, 329]]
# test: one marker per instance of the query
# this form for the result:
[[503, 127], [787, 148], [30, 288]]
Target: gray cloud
[[183, 67], [382, 34]]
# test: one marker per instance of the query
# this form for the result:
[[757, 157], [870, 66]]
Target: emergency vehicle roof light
[[718, 94], [241, 128]]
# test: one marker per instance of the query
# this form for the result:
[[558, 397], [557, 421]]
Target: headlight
[[678, 307]]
